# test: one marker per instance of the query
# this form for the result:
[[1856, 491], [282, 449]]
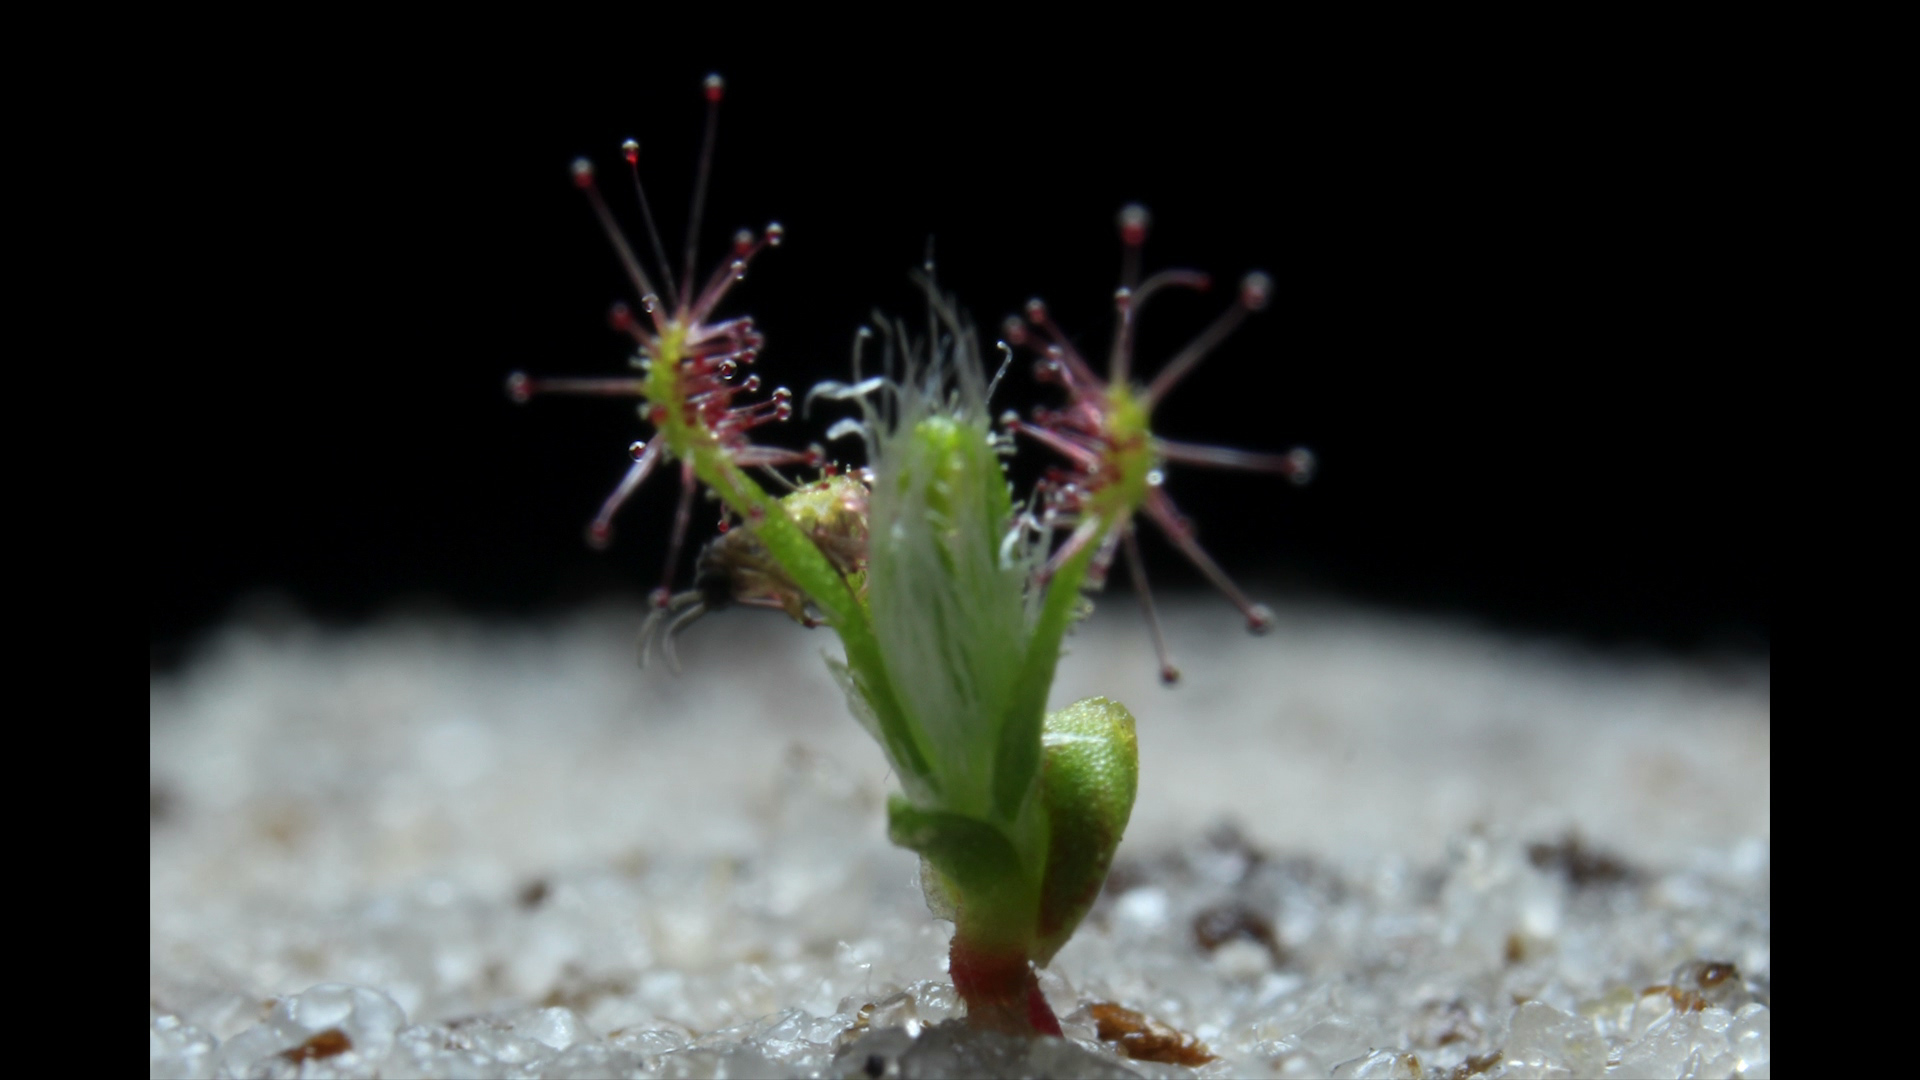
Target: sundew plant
[[950, 593]]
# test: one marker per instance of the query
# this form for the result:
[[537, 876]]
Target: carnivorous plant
[[949, 595]]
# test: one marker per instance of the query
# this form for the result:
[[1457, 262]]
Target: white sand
[[517, 855]]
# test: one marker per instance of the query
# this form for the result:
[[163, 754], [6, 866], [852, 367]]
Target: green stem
[[1017, 766], [802, 560]]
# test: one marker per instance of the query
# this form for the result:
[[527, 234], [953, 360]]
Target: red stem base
[[1001, 992]]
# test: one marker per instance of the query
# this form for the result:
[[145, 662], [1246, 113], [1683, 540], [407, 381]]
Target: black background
[[1513, 312]]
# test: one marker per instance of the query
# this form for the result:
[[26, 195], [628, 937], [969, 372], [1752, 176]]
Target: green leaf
[[949, 618], [996, 897], [1088, 783]]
